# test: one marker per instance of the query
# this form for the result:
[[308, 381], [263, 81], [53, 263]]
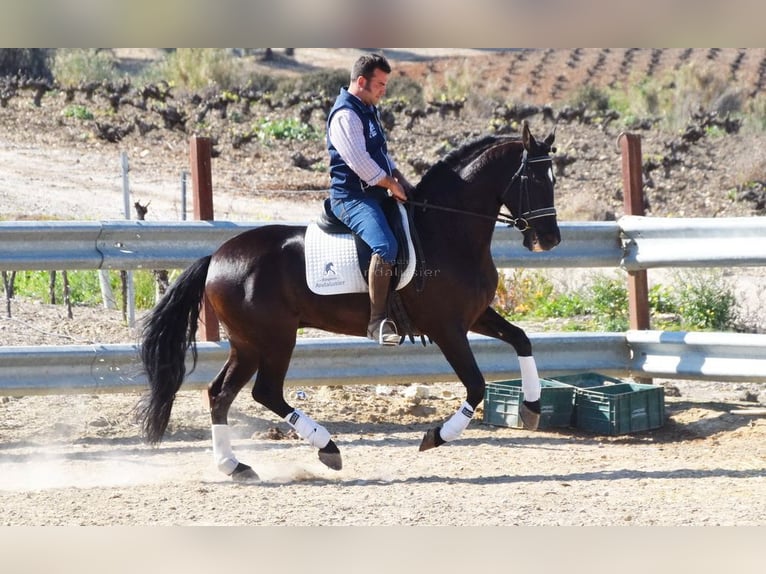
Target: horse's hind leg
[[221, 393], [493, 325], [268, 390]]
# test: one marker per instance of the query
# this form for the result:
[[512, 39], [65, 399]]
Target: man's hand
[[395, 188]]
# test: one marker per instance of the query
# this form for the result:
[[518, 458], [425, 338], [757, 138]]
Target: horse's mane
[[445, 173], [458, 158]]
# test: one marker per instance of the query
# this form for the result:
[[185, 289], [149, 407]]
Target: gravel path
[[78, 460]]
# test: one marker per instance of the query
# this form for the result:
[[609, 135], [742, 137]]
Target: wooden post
[[202, 183], [633, 190]]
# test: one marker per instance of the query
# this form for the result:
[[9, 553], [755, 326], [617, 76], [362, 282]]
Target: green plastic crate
[[619, 409], [502, 400]]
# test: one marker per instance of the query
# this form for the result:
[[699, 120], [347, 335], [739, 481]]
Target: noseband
[[521, 222]]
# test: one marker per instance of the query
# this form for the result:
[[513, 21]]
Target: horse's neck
[[473, 191], [467, 230]]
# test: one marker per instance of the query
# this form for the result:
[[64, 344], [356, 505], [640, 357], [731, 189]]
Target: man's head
[[369, 76]]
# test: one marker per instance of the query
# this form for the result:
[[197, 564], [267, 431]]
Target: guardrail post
[[633, 190], [202, 182]]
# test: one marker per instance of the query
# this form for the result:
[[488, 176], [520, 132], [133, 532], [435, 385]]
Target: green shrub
[[457, 85], [675, 97], [323, 82], [84, 287], [661, 299], [405, 89], [519, 294], [144, 289], [262, 82], [755, 114], [77, 112], [705, 302], [591, 98], [562, 305], [72, 67], [196, 68], [609, 303], [702, 301], [285, 129]]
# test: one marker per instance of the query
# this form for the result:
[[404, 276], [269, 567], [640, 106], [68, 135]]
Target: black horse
[[256, 284]]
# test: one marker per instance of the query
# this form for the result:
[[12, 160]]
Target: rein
[[521, 222]]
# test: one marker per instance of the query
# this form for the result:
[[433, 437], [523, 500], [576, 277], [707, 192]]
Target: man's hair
[[367, 64]]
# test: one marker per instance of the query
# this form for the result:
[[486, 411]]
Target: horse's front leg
[[458, 353], [490, 323]]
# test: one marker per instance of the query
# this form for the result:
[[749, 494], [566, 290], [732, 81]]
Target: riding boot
[[380, 328]]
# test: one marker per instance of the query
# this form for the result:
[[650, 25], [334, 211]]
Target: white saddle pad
[[332, 265]]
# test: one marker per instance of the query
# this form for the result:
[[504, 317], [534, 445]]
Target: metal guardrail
[[56, 245], [592, 244], [316, 361], [699, 356], [632, 242], [693, 242], [350, 360]]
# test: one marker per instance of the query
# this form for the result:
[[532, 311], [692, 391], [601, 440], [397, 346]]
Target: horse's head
[[532, 202]]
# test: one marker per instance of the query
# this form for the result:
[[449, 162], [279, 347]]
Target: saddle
[[329, 223], [337, 260]]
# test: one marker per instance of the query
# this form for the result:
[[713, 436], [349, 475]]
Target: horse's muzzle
[[542, 242]]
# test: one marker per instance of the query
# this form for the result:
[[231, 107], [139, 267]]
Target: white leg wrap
[[530, 380], [309, 430], [457, 423], [222, 453]]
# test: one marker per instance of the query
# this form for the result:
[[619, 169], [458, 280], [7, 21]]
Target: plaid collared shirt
[[347, 135]]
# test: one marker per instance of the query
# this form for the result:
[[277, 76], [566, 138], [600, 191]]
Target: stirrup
[[385, 338]]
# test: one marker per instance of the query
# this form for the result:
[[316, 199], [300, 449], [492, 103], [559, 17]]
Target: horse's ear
[[551, 137], [526, 137]]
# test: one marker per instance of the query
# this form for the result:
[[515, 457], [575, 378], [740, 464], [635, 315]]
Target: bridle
[[522, 221]]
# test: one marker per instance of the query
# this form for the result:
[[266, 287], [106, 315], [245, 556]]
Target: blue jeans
[[365, 218]]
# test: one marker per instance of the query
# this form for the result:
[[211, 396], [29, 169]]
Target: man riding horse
[[362, 176]]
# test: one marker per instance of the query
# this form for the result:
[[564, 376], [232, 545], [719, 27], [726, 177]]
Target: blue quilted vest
[[344, 181]]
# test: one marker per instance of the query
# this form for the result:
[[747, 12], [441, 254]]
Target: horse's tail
[[169, 330]]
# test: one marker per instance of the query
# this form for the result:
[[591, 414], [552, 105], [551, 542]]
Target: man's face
[[372, 90]]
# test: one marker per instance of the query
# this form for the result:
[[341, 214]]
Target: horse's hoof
[[330, 456], [244, 473], [431, 439], [528, 416]]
